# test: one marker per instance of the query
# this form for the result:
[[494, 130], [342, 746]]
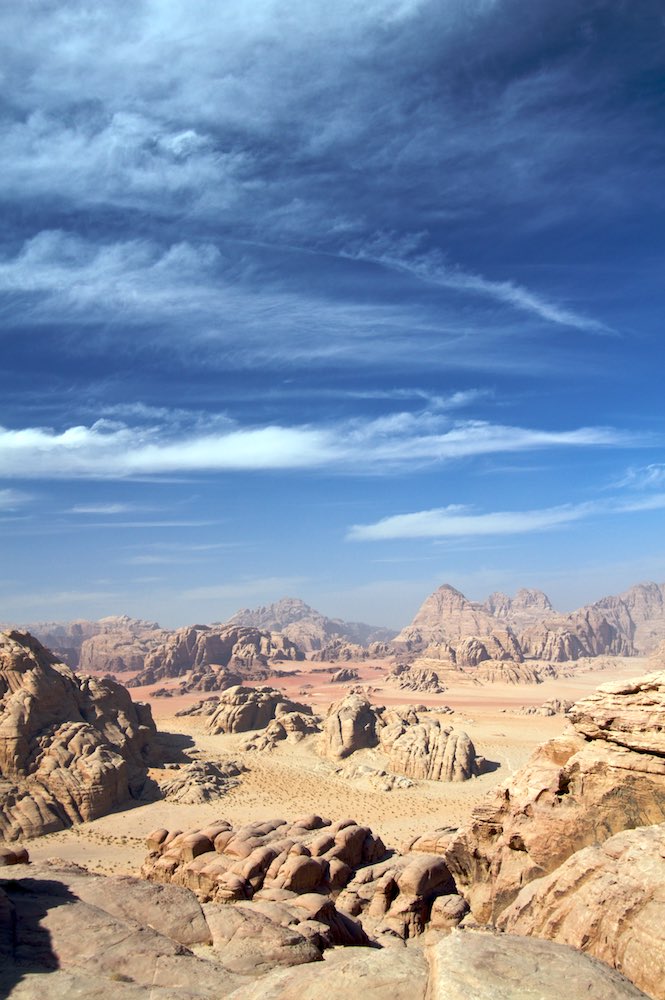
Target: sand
[[293, 780]]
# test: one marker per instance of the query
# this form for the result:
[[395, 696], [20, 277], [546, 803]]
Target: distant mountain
[[527, 626], [308, 628]]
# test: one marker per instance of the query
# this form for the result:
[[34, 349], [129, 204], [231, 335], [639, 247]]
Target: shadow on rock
[[25, 944]]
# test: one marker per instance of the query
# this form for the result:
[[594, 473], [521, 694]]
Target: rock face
[[241, 709], [604, 775], [121, 644], [415, 744], [450, 627], [350, 725], [248, 651], [309, 629], [608, 900], [429, 750], [201, 781], [446, 616], [71, 748]]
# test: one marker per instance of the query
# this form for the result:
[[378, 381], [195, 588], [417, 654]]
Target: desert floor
[[293, 780]]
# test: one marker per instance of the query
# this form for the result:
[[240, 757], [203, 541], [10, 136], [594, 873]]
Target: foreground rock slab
[[607, 900], [485, 966]]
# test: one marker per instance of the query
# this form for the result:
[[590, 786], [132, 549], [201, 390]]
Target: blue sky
[[332, 300]]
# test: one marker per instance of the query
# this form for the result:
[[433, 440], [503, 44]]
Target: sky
[[339, 301]]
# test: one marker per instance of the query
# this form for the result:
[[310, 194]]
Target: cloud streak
[[400, 440], [455, 521]]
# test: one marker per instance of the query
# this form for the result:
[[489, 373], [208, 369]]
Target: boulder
[[350, 725]]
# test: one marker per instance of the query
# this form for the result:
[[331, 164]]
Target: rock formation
[[410, 678], [309, 629], [247, 651], [200, 781], [71, 748], [350, 725], [527, 607], [241, 709], [500, 644], [607, 900], [122, 644], [289, 726], [428, 750], [415, 744], [604, 775], [445, 617]]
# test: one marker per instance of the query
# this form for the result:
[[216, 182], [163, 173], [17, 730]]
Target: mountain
[[308, 628], [527, 626]]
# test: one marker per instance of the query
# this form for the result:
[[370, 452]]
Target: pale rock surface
[[499, 644], [290, 726], [241, 709], [71, 748], [445, 616], [351, 724], [608, 901], [576, 791], [409, 678], [468, 965], [527, 607], [428, 750], [200, 781]]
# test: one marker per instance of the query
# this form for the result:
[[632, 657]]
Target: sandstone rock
[[350, 725], [346, 975], [574, 792], [499, 644], [486, 966], [340, 649], [71, 748], [344, 676], [555, 706], [428, 750], [201, 781], [248, 651], [446, 616], [608, 901], [527, 607], [121, 644], [627, 714], [241, 709], [291, 726], [409, 678]]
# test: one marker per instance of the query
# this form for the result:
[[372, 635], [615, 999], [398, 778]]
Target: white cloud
[[101, 508], [645, 476], [455, 521], [115, 450]]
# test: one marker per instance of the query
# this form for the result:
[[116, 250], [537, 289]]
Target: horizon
[[289, 597], [341, 302]]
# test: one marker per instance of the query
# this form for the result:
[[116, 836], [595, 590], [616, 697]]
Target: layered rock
[[608, 900], [240, 709], [71, 748], [248, 651], [445, 617], [340, 649], [604, 775], [201, 781], [428, 750], [527, 607], [286, 726], [639, 613], [500, 644], [122, 644]]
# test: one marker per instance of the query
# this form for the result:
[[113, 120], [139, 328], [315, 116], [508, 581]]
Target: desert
[[401, 818]]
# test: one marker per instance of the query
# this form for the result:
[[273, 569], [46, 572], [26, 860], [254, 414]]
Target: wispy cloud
[[102, 508], [399, 440], [431, 268], [13, 499], [644, 477], [456, 521]]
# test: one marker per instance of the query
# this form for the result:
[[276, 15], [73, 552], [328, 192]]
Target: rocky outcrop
[[286, 726], [639, 614], [608, 900], [241, 709], [345, 676], [604, 775], [200, 781], [428, 750], [340, 649], [309, 629], [499, 645], [248, 651], [555, 706], [350, 725], [71, 748], [410, 678], [584, 633]]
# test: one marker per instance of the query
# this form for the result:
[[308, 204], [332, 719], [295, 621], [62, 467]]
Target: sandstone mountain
[[71, 748], [112, 644], [450, 627], [246, 650], [308, 628]]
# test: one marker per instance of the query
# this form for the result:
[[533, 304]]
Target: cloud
[[109, 449], [644, 477], [102, 508], [432, 269], [13, 499], [456, 521]]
